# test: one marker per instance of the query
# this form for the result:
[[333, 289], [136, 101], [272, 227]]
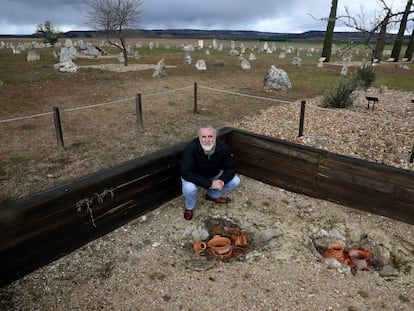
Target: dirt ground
[[149, 264]]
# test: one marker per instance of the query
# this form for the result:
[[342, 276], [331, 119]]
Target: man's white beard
[[207, 147]]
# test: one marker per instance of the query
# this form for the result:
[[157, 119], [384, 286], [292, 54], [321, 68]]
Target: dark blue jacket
[[198, 168]]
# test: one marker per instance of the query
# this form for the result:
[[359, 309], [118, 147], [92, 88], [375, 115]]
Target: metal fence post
[[302, 117], [58, 127], [195, 98], [138, 109]]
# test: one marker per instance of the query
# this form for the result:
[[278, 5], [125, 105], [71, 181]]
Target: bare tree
[[114, 17], [378, 29], [396, 50]]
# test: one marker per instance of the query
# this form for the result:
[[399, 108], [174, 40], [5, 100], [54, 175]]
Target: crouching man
[[210, 164]]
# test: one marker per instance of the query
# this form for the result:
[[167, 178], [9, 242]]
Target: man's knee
[[188, 187]]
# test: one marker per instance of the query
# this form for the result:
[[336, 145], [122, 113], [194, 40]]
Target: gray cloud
[[22, 16]]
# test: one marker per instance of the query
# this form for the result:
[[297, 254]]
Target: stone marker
[[245, 65], [277, 79], [201, 65], [33, 55], [159, 69]]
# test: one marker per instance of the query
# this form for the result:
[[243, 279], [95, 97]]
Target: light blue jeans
[[190, 190]]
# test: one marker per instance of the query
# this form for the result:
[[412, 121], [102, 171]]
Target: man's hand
[[217, 184]]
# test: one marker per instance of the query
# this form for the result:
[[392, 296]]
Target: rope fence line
[[169, 91], [342, 111], [246, 95], [26, 117], [98, 105], [64, 110], [92, 106]]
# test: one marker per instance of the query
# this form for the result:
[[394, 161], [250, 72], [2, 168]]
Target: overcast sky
[[22, 16]]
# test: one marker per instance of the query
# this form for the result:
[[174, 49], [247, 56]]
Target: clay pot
[[239, 240], [360, 257], [199, 246], [336, 251], [220, 247]]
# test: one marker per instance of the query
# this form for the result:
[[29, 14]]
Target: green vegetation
[[48, 33], [76, 144], [365, 76], [18, 159], [342, 96]]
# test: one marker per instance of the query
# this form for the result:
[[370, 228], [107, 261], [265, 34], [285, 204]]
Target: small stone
[[388, 270]]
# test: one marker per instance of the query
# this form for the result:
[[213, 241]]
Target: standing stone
[[201, 65], [188, 59], [245, 65], [33, 55], [67, 55], [159, 69], [252, 56], [234, 52], [215, 45], [200, 44], [320, 62], [344, 70], [277, 79], [297, 61]]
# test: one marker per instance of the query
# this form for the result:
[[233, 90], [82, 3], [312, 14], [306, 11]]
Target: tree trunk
[[329, 34], [382, 37], [396, 50], [121, 36], [410, 48]]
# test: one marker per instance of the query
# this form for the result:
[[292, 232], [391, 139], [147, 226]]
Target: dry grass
[[97, 138]]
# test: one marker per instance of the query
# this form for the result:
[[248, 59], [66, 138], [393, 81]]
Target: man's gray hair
[[207, 126]]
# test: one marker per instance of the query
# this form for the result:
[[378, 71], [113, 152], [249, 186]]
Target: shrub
[[342, 96], [365, 76]]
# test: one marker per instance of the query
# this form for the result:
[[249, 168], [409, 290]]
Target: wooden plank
[[383, 174], [282, 147], [266, 170], [273, 159], [273, 178], [367, 200], [68, 216]]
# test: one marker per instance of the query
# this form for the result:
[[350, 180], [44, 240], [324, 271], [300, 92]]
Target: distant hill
[[310, 36]]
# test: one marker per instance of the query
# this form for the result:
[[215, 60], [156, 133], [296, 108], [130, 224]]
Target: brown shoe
[[188, 214], [220, 200]]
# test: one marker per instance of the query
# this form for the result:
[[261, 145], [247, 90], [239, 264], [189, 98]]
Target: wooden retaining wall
[[48, 225], [363, 185]]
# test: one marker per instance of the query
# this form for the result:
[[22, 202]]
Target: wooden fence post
[[58, 127], [138, 109], [195, 98], [302, 117]]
